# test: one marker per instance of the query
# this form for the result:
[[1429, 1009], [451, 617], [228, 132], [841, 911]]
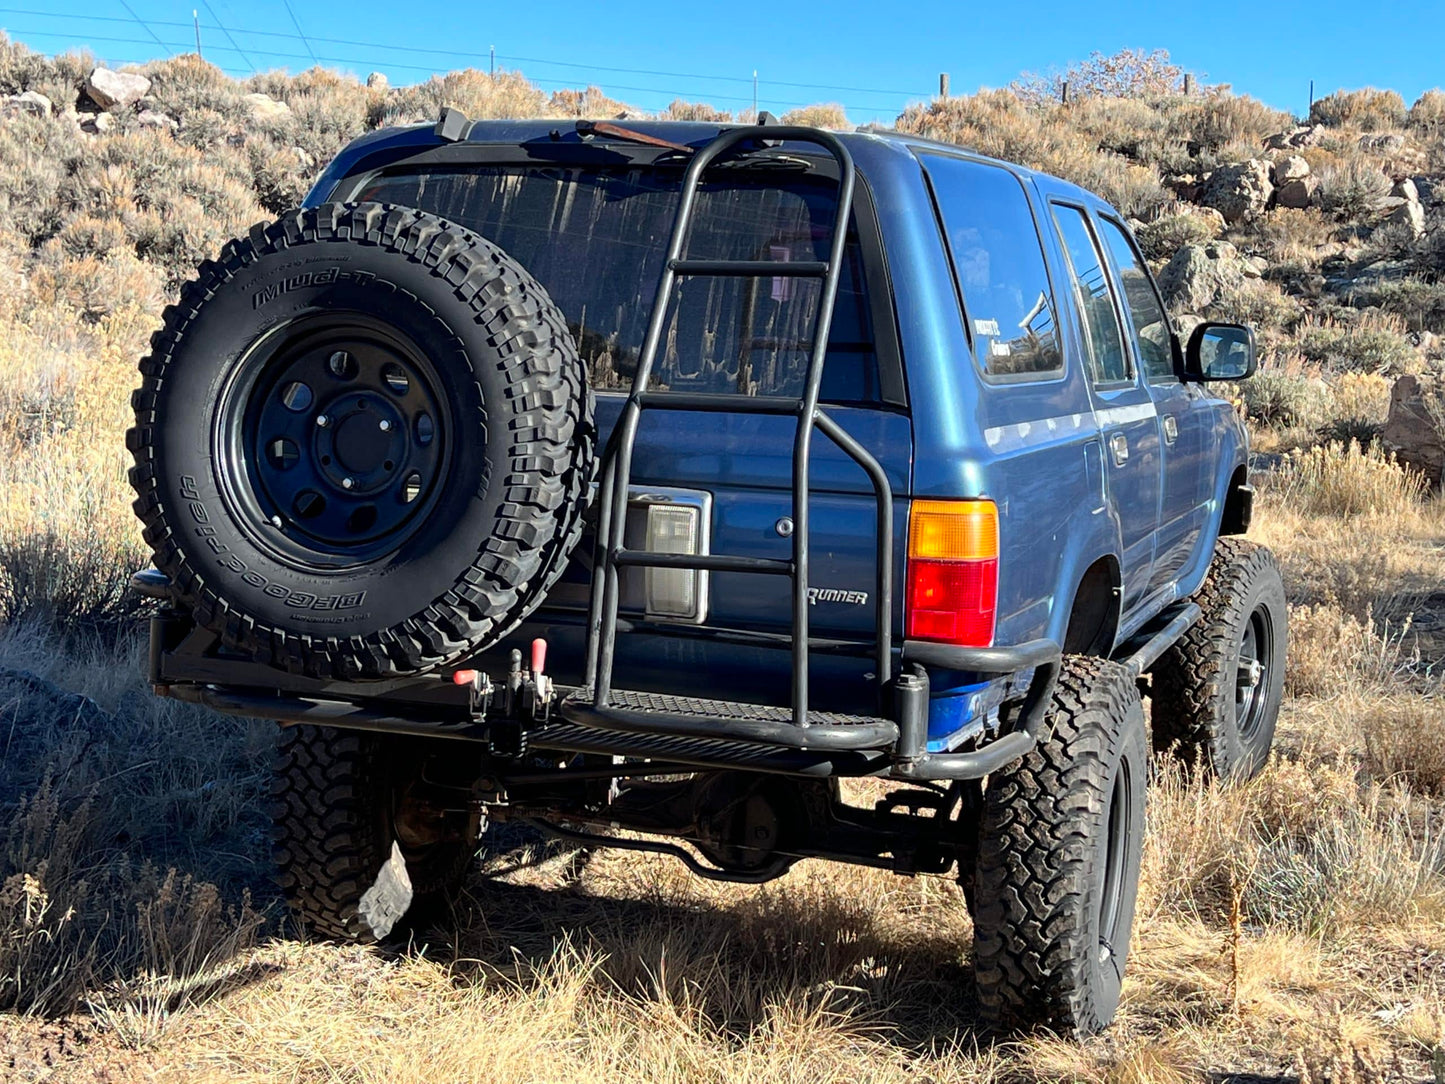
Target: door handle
[[1171, 429], [1119, 448]]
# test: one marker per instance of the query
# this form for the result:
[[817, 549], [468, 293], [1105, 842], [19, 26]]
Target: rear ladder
[[628, 711]]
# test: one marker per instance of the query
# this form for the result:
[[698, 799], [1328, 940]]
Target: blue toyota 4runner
[[660, 477]]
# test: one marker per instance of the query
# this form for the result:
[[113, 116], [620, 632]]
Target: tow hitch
[[526, 701]]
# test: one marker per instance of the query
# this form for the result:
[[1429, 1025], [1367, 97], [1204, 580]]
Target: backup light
[[672, 592], [952, 594]]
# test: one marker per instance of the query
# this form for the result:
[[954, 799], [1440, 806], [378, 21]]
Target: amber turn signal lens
[[953, 530]]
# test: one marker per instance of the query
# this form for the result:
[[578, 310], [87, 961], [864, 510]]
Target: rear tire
[[1058, 869], [1217, 691], [341, 800]]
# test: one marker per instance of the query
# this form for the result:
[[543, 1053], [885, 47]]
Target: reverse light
[[672, 592], [952, 592]]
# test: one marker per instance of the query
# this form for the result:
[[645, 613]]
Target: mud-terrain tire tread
[[549, 415], [328, 843], [1037, 861], [1189, 682]]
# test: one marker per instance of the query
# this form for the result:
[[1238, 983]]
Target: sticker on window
[[782, 286], [985, 327]]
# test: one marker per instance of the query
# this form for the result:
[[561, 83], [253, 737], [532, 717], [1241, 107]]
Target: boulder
[[1409, 216], [377, 81], [1292, 167], [1198, 274], [265, 108], [1405, 189], [1238, 192], [96, 123], [1415, 426], [152, 118], [1297, 193], [1382, 143], [1297, 139], [115, 90], [32, 102]]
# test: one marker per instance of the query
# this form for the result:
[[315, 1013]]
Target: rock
[[32, 102], [1415, 426], [151, 118], [265, 108], [1297, 193], [115, 90], [96, 123], [1198, 274], [1297, 139], [377, 81], [1431, 189], [1254, 267], [1410, 216], [1239, 192], [1382, 143], [1291, 168], [1406, 189]]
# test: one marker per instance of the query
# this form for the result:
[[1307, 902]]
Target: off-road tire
[[333, 794], [1194, 683], [1061, 837], [507, 509]]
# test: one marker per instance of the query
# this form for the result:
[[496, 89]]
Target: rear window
[[595, 239]]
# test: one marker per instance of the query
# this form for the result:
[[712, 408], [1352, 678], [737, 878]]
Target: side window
[[1108, 361], [1151, 326], [999, 262]]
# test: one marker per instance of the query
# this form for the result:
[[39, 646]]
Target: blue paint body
[[1040, 450]]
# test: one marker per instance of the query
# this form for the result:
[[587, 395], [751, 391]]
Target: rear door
[[1127, 418], [595, 236], [1187, 436]]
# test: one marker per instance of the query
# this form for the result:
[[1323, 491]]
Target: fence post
[[1064, 92], [943, 84], [1188, 83]]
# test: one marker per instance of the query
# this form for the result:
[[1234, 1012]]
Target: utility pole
[[492, 67], [1312, 98], [943, 84], [755, 95], [196, 18]]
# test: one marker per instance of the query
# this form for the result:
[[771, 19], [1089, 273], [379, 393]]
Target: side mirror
[[1220, 352]]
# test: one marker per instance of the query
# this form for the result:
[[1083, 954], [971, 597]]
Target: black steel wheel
[[1216, 693], [363, 442]]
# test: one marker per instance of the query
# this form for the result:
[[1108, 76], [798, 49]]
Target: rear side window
[[999, 262], [1103, 342], [1151, 327]]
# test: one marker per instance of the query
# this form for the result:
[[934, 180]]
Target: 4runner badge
[[833, 594]]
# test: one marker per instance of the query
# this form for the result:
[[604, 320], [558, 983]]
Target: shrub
[[1353, 188], [1419, 303], [1217, 121], [1367, 109], [1129, 73], [1405, 739], [1359, 404], [1167, 234], [681, 110], [1292, 234], [1428, 112], [1281, 398], [1253, 301], [1366, 346], [1345, 479], [828, 115], [586, 103]]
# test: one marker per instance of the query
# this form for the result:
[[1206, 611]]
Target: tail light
[[952, 572]]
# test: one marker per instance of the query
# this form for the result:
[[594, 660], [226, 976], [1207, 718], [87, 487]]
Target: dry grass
[[1295, 924]]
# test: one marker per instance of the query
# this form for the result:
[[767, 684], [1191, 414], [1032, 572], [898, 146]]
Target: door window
[[999, 264], [1103, 341], [1146, 315]]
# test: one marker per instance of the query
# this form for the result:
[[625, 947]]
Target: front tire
[[1217, 690], [345, 803], [1059, 853]]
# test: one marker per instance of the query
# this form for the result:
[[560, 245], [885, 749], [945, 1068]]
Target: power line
[[143, 23], [297, 24], [206, 4], [474, 56]]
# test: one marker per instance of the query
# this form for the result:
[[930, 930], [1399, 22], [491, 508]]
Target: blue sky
[[884, 55]]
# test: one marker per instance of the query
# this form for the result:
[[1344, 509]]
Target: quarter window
[[1103, 342], [999, 263], [1151, 326]]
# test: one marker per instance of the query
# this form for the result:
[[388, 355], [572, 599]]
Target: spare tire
[[363, 442]]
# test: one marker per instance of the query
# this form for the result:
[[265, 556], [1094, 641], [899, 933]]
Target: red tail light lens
[[952, 590]]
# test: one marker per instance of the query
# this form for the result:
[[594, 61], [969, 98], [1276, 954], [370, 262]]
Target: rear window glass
[[595, 239], [999, 261], [1108, 363]]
